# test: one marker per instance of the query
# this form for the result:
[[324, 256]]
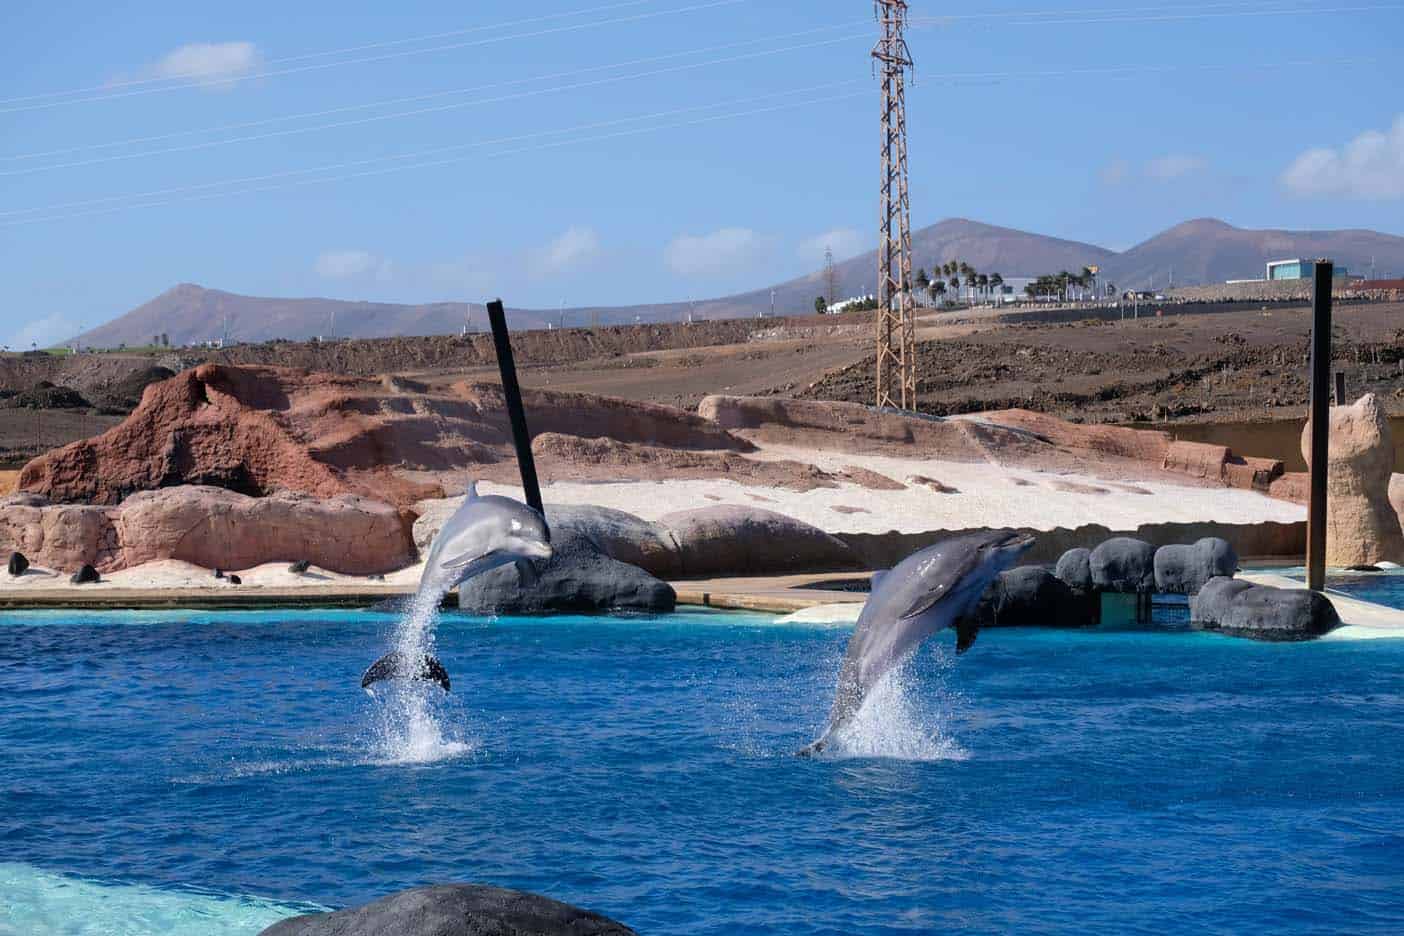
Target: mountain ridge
[[1199, 250]]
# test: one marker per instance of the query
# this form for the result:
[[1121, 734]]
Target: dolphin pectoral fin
[[527, 576], [966, 632], [396, 665]]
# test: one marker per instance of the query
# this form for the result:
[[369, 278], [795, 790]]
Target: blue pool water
[[201, 773]]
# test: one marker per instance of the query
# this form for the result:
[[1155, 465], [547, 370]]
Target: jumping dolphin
[[933, 588], [484, 533]]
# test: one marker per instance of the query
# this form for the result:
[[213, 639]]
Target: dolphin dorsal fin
[[472, 490]]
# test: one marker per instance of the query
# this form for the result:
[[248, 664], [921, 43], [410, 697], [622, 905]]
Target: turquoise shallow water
[[1052, 782]]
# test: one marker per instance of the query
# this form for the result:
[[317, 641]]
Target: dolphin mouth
[[538, 551]]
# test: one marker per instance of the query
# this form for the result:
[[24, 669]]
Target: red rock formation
[[256, 430], [63, 537], [220, 529]]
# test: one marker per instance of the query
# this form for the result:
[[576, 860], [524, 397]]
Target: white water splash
[[411, 724], [902, 719]]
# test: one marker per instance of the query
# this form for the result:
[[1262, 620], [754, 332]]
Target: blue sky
[[606, 151]]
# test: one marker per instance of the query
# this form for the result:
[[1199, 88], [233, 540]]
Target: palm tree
[[954, 282], [971, 281], [937, 288], [997, 284], [985, 285]]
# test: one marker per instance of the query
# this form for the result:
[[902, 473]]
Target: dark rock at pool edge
[[577, 577], [1074, 568], [235, 580], [1184, 570], [1031, 596], [1262, 612], [454, 910], [1123, 564], [85, 576], [299, 567], [18, 564], [1208, 607]]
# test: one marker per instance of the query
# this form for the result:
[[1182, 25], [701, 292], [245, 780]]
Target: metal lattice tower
[[896, 327]]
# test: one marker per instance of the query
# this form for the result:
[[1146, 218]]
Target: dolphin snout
[[536, 550]]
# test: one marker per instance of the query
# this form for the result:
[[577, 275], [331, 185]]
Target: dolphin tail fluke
[[527, 576], [814, 748], [966, 632], [397, 665]]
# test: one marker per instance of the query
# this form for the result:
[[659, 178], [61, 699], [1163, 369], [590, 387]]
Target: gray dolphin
[[931, 589], [483, 533]]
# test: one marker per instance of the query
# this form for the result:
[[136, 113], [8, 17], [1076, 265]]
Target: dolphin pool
[[208, 773]]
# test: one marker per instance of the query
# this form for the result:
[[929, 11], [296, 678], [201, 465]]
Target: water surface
[[1053, 782]]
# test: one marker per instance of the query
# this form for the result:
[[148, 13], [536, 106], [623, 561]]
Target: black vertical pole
[[497, 317], [1320, 423], [1340, 388]]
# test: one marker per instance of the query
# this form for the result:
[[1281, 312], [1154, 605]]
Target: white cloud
[[1174, 166], [1115, 172], [720, 251], [44, 333], [352, 264], [576, 247], [844, 242], [1371, 166], [211, 64]]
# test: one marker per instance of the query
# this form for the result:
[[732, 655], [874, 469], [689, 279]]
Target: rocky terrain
[[1226, 367]]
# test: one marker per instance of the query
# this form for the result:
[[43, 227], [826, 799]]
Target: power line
[[292, 131], [711, 4], [940, 77], [245, 125], [421, 154], [358, 48]]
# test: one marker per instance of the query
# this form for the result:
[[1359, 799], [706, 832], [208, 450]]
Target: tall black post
[[497, 317], [1320, 423]]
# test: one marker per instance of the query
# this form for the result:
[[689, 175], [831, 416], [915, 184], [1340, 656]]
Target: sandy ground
[[987, 496], [174, 574]]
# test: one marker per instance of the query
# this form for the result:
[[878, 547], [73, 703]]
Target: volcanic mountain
[[1200, 251]]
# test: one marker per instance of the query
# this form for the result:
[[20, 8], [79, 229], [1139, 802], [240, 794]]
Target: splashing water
[[409, 723], [898, 720]]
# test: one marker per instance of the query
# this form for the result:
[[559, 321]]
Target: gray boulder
[[1266, 613], [1184, 569], [577, 578], [1074, 569], [454, 910], [726, 539], [1208, 606], [1031, 596], [616, 534], [1123, 564]]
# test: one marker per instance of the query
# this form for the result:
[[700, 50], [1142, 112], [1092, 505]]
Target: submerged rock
[[1074, 568], [1123, 564], [1184, 569], [85, 575], [18, 564], [454, 910], [576, 578]]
